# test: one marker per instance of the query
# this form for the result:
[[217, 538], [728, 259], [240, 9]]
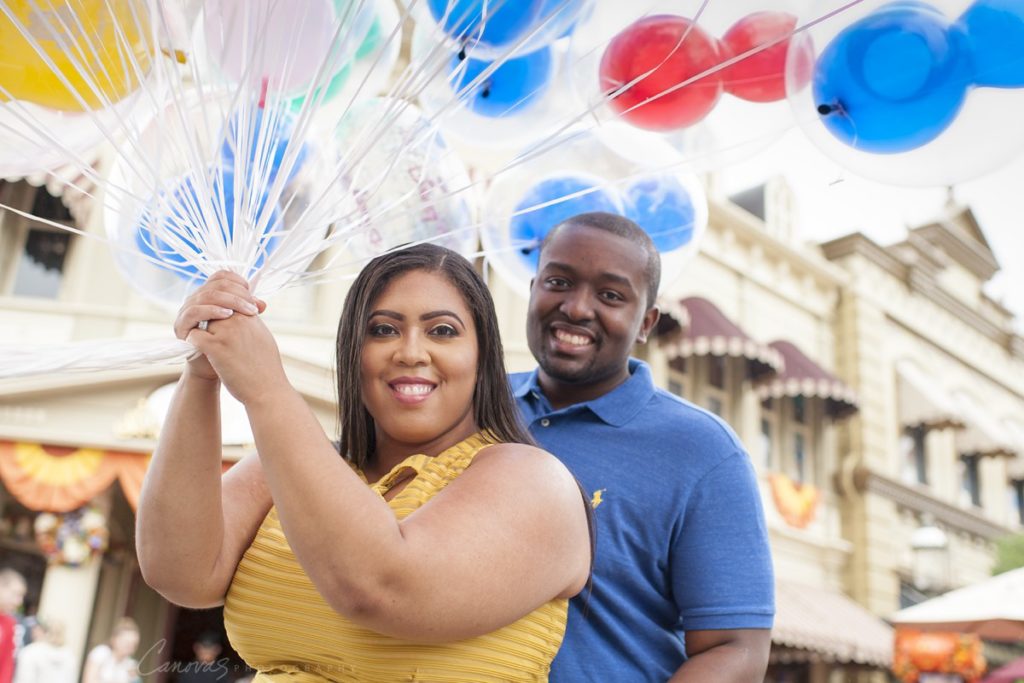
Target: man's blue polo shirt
[[681, 538]]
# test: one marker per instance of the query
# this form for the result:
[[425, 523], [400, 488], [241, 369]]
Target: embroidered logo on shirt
[[596, 499]]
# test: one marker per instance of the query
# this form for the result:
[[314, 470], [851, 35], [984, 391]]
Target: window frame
[[14, 234]]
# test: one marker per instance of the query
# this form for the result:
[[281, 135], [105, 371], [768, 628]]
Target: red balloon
[[673, 49], [761, 77]]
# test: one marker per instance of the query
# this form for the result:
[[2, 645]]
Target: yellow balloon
[[73, 55]]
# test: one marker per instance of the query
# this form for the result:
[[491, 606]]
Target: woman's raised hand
[[223, 295]]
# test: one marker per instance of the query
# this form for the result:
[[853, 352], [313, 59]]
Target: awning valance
[[803, 377], [982, 434], [696, 327], [59, 479], [921, 401], [829, 626]]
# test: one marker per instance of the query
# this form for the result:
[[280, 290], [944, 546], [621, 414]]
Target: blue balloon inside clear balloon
[[894, 80], [181, 214], [582, 195], [663, 208], [995, 29], [486, 22], [510, 89], [266, 136]]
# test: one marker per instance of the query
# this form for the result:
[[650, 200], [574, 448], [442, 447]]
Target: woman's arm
[[191, 527], [510, 533]]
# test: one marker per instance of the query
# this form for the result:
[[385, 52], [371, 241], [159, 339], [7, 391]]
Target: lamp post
[[930, 558]]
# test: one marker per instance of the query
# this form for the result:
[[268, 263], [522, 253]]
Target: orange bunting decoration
[[918, 652], [796, 502]]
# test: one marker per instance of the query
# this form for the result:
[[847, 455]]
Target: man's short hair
[[621, 227]]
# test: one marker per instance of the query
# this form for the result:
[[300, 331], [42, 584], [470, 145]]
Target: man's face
[[588, 306]]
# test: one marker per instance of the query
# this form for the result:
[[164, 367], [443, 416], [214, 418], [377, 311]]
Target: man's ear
[[649, 321]]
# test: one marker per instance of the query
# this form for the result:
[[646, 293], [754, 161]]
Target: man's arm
[[730, 656]]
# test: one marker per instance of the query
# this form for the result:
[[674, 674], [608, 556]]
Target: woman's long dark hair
[[493, 406]]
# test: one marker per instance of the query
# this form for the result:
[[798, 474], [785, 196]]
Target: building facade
[[877, 389]]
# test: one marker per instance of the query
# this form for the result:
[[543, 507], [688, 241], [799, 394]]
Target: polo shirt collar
[[618, 406]]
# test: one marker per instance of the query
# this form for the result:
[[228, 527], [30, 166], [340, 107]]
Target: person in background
[[12, 595], [683, 586], [205, 668], [112, 662], [45, 659]]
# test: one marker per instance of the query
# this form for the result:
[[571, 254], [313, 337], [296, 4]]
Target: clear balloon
[[493, 105], [170, 223], [177, 208], [906, 93], [550, 202], [368, 73], [402, 181], [73, 56], [573, 175], [291, 48], [482, 26]]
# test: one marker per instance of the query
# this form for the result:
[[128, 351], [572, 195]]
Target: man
[[683, 586], [12, 595]]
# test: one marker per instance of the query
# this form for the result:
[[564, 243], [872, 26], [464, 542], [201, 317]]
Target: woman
[[112, 662], [454, 564], [45, 659]]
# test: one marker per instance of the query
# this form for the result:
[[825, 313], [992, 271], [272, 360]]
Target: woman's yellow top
[[280, 625]]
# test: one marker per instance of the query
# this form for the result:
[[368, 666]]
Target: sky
[[832, 201]]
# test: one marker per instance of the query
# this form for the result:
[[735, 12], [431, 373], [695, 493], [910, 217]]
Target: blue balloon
[[663, 208], [268, 136], [531, 227], [512, 87], [995, 29], [487, 23], [561, 16], [894, 80], [181, 215]]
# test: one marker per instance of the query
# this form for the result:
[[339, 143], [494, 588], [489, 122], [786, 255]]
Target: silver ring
[[203, 324]]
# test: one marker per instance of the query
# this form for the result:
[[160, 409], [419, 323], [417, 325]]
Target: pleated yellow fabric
[[282, 626]]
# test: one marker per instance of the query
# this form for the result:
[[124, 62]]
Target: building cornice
[[859, 244], [972, 255], [913, 498], [920, 281]]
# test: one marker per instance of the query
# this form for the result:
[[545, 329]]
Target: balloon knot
[[826, 109]]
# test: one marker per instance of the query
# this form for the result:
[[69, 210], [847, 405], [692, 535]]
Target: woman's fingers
[[220, 297]]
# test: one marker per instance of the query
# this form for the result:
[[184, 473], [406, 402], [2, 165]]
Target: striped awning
[[922, 401], [69, 183], [696, 327], [803, 377], [825, 625]]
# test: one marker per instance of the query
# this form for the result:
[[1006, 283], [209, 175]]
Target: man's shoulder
[[668, 413]]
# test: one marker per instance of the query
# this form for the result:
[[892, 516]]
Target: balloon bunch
[[897, 78], [665, 72]]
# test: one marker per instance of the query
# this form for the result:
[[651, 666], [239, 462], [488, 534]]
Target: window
[[799, 458], [33, 255], [716, 387], [799, 410], [1015, 489], [915, 465], [767, 443], [970, 485], [679, 377], [716, 372]]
